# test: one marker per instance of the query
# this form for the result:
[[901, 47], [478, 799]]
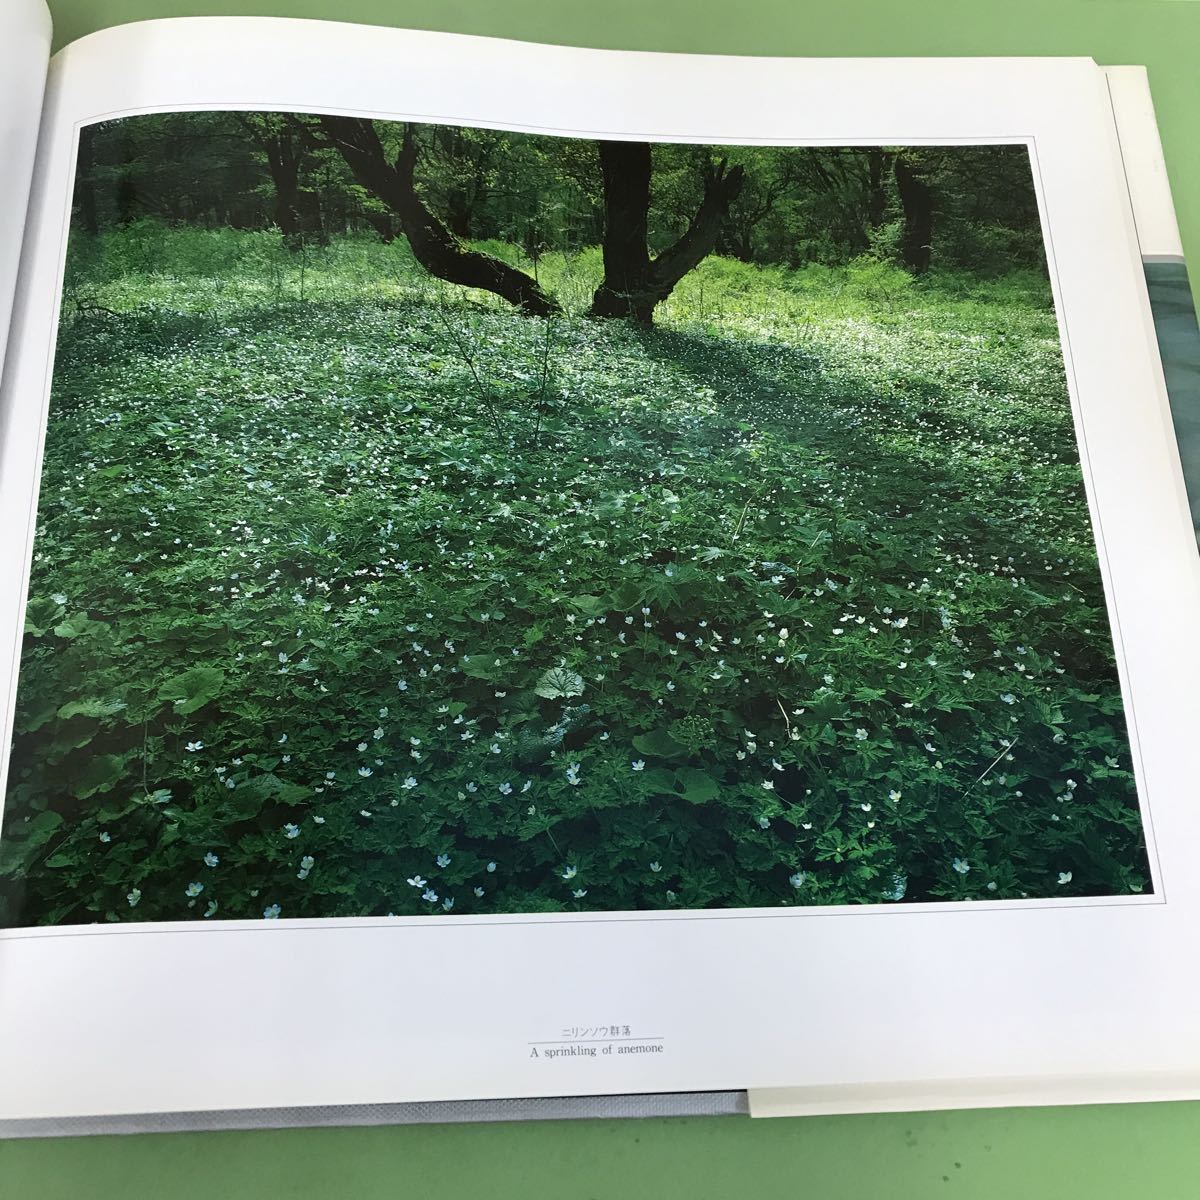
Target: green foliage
[[558, 683], [521, 196], [191, 690], [792, 600]]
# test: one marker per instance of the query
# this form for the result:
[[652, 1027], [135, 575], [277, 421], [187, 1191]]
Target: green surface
[[1141, 1152], [1146, 1151]]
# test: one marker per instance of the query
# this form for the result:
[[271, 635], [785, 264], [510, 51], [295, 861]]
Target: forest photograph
[[439, 520]]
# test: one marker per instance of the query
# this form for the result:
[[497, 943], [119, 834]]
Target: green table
[[1151, 1151]]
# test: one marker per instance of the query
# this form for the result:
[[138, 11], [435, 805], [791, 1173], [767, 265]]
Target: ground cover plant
[[361, 591]]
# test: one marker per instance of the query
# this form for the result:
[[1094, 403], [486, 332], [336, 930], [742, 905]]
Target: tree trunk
[[128, 201], [634, 283], [737, 240], [458, 205], [381, 222], [85, 187], [876, 196], [916, 199], [283, 162], [458, 214], [433, 245], [625, 171]]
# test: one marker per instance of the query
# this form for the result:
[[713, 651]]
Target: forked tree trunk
[[634, 283], [625, 171], [282, 145], [433, 245]]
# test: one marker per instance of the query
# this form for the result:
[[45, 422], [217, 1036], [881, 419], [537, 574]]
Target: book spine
[[24, 57], [1171, 302]]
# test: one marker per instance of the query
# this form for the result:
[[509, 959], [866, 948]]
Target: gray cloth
[[660, 1104]]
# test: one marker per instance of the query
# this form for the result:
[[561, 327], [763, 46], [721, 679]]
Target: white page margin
[[186, 1018], [24, 59]]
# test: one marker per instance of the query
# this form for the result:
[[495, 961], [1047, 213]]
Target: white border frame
[[24, 56], [680, 976]]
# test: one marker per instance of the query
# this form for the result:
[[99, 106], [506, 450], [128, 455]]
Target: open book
[[538, 572]]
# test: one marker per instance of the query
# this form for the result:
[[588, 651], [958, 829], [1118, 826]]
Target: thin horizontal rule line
[[590, 1041]]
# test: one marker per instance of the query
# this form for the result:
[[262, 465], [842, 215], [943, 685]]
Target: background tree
[[281, 141], [634, 283], [916, 200], [480, 208]]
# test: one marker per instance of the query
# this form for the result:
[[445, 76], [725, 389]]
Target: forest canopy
[[655, 210]]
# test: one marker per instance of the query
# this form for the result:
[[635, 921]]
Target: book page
[[1173, 308], [24, 57], [559, 572]]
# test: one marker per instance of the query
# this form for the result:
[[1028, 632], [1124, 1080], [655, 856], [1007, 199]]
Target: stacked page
[[548, 572]]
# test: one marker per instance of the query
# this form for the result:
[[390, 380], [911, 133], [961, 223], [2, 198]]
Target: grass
[[355, 594]]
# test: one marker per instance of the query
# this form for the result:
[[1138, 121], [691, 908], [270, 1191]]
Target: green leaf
[[38, 830], [483, 666], [659, 779], [697, 786], [193, 689], [91, 708], [659, 743], [116, 809], [40, 613], [77, 626], [590, 606], [100, 773], [559, 683], [35, 718], [279, 789]]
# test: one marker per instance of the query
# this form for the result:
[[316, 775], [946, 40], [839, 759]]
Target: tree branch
[[433, 245]]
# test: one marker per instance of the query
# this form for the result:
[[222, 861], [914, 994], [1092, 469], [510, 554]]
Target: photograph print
[[442, 520]]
